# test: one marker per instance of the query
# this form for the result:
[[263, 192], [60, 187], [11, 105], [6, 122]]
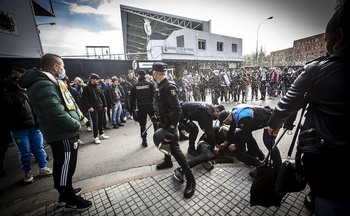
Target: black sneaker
[[178, 175], [61, 201], [79, 205]]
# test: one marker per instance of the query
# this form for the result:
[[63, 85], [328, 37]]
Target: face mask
[[62, 75]]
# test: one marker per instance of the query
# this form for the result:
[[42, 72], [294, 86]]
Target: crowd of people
[[236, 85], [42, 104]]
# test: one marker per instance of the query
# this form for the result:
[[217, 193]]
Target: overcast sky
[[83, 23]]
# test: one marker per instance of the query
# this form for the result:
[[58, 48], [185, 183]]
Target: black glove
[[171, 133]]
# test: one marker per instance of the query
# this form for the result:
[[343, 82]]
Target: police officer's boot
[[190, 184], [192, 150], [144, 142], [167, 163]]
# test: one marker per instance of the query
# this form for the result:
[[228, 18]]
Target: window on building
[[220, 46], [316, 40], [180, 41], [201, 44], [234, 47]]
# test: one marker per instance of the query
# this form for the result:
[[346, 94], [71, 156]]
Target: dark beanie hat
[[223, 115]]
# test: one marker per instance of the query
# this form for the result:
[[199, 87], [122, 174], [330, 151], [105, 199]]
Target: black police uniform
[[170, 112], [142, 96], [201, 112]]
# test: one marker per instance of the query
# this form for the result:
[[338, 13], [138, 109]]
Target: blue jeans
[[27, 141], [328, 207], [116, 112]]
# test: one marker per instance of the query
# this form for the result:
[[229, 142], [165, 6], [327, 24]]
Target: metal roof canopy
[[41, 10], [135, 40]]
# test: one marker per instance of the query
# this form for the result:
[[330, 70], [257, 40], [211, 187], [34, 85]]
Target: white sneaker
[[103, 136], [45, 171], [97, 140], [80, 142], [89, 129]]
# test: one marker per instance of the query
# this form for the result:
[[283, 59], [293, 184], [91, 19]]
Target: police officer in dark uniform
[[204, 113], [142, 96], [169, 114]]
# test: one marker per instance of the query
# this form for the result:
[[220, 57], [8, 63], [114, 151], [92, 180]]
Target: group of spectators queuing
[[235, 84]]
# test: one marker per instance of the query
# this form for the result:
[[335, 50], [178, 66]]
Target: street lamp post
[[257, 38], [52, 23]]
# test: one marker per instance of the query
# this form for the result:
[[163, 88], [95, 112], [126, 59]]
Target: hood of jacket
[[30, 77]]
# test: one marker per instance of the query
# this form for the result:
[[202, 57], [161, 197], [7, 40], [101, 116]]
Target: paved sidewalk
[[222, 191]]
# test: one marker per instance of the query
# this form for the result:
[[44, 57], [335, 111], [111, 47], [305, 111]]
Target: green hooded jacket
[[55, 121]]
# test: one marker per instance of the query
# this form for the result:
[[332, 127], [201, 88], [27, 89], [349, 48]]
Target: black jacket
[[329, 114], [15, 107], [142, 94], [93, 96], [191, 110], [168, 104]]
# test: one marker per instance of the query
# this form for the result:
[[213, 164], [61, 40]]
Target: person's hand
[[232, 147], [91, 109], [105, 109], [169, 136], [272, 131], [216, 150], [222, 146]]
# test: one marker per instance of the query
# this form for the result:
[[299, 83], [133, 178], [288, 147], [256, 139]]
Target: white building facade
[[201, 50]]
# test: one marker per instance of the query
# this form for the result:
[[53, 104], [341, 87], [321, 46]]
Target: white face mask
[[62, 75]]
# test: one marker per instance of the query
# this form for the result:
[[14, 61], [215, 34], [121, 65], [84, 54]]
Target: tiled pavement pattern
[[222, 191]]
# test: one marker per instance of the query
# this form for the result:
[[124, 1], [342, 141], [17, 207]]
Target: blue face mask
[[62, 75]]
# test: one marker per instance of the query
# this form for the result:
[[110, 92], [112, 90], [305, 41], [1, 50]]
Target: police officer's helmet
[[158, 139]]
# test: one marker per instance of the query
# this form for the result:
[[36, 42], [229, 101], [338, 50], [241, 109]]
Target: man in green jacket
[[59, 122]]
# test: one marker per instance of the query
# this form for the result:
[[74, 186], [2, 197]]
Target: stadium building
[[183, 43]]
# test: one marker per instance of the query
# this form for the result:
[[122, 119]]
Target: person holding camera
[[324, 142]]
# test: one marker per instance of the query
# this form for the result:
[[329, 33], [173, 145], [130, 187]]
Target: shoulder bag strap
[[307, 96]]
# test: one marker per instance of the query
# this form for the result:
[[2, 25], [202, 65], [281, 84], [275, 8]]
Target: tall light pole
[[257, 39]]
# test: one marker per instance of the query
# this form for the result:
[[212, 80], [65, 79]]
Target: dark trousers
[[177, 153], [97, 120], [263, 89], [248, 157], [204, 155], [215, 97], [143, 119], [205, 123], [65, 154]]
